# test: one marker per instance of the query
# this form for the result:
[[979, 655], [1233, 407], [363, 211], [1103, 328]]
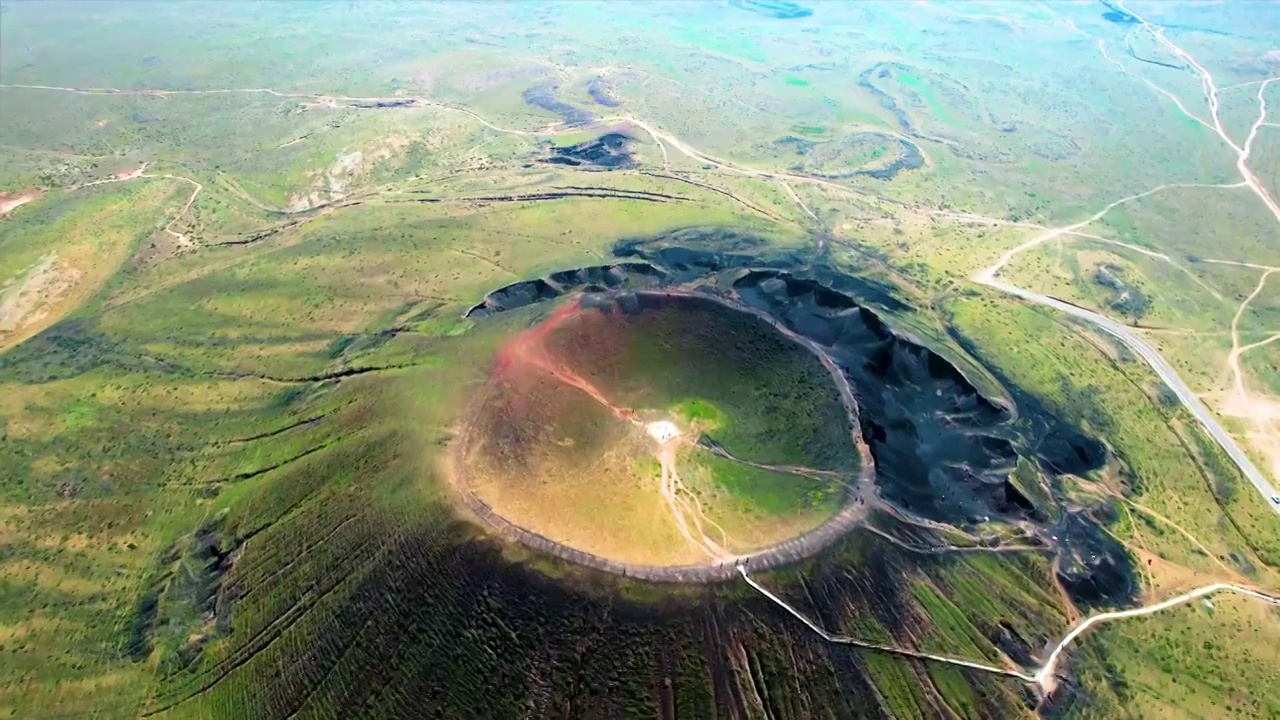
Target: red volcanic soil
[[639, 354], [528, 351], [542, 417]]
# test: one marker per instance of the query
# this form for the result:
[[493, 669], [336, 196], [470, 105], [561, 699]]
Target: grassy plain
[[1185, 662], [222, 484]]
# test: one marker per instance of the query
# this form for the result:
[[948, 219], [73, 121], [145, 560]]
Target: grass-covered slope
[[223, 470]]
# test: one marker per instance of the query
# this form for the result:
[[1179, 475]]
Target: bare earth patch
[[330, 186], [9, 202], [1264, 412], [337, 181], [24, 301]]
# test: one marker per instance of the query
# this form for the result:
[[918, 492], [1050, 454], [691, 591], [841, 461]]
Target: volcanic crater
[[791, 414], [661, 431]]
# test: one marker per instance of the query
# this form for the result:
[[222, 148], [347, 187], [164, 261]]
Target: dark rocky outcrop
[[543, 96], [607, 151]]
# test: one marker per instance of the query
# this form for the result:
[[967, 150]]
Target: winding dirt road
[[141, 173], [1044, 677], [1189, 399], [1233, 359]]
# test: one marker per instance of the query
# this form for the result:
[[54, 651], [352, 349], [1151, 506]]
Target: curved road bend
[[1166, 373], [1045, 676], [824, 535], [1135, 343]]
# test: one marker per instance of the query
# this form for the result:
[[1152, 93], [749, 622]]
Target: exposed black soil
[[939, 447], [1122, 296], [641, 195], [375, 104], [873, 77], [1092, 565], [595, 278], [1117, 15], [544, 96], [304, 422], [351, 603], [607, 151], [711, 188], [908, 158], [600, 93], [884, 70], [1133, 53], [186, 597]]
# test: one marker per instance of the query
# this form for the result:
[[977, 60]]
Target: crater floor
[[660, 430]]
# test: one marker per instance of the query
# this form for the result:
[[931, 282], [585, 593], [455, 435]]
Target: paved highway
[[1166, 373]]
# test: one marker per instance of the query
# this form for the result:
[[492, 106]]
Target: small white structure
[[662, 431]]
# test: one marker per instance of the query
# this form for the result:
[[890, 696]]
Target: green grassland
[[223, 468], [1146, 292], [776, 403], [1184, 663], [767, 492]]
